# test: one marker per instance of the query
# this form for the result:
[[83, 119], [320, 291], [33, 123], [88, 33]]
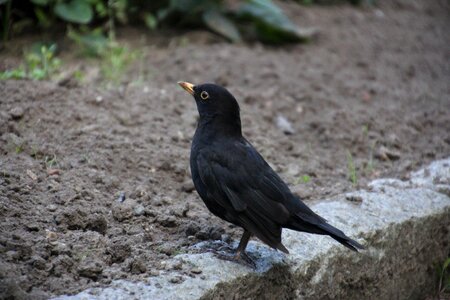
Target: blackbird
[[237, 184]]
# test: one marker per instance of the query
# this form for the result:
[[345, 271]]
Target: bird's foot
[[239, 257]]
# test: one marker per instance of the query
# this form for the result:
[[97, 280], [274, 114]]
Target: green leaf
[[93, 42], [271, 24], [446, 264], [220, 24], [43, 19], [76, 11], [150, 21], [40, 2]]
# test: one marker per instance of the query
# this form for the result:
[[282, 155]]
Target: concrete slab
[[405, 226]]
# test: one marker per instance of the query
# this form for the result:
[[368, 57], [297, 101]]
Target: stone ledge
[[405, 226]]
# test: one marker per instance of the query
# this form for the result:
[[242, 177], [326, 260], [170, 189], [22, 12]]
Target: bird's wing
[[239, 179]]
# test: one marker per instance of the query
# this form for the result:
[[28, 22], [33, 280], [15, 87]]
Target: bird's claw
[[240, 258]]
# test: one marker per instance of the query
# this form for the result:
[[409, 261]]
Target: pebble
[[138, 266], [52, 207], [50, 235], [196, 271], [176, 279], [167, 221], [174, 265], [51, 172], [187, 186], [123, 210], [284, 125], [32, 175], [139, 192], [384, 153], [139, 210], [121, 197], [17, 112], [60, 248], [90, 268], [354, 198]]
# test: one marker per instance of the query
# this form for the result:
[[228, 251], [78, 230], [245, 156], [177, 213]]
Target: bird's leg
[[242, 244], [240, 256]]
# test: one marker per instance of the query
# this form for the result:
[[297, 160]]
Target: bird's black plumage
[[235, 181]]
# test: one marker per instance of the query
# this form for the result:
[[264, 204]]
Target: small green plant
[[38, 65], [19, 148], [444, 279], [115, 60], [351, 169], [50, 161], [303, 179], [365, 130]]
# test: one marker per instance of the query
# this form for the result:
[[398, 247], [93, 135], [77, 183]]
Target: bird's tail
[[318, 225], [339, 236]]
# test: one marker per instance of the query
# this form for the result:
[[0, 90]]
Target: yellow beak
[[189, 87]]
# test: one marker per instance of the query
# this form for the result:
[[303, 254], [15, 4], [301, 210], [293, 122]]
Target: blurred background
[[95, 132]]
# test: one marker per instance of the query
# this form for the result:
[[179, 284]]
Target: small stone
[[174, 265], [50, 235], [32, 227], [138, 266], [123, 211], [52, 207], [139, 210], [60, 248], [176, 279], [32, 175], [187, 186], [51, 172], [384, 153], [90, 268], [16, 112], [121, 197], [196, 271], [354, 198], [284, 125], [167, 221], [139, 192]]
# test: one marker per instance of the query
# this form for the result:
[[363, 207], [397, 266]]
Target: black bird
[[235, 181]]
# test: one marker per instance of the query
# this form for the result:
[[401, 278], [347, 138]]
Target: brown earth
[[374, 84]]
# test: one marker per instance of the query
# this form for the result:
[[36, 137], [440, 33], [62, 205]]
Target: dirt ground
[[374, 86]]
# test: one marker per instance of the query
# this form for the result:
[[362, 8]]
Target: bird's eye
[[204, 95]]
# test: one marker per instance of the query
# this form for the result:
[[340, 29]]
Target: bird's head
[[215, 104]]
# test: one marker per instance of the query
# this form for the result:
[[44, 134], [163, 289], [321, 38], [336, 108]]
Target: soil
[[95, 182]]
